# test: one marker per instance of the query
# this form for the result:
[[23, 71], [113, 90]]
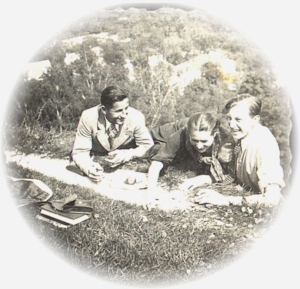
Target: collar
[[108, 124]]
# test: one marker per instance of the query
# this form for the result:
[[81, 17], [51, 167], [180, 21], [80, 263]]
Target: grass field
[[124, 243]]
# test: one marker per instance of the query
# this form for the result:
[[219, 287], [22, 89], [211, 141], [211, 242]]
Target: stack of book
[[65, 213]]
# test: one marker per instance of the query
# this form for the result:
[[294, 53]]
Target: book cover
[[73, 205], [68, 217], [52, 221]]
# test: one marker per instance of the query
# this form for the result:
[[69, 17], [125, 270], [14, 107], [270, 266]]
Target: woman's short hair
[[112, 94], [203, 122], [253, 102]]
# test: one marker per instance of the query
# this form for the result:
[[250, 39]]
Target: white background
[[27, 25]]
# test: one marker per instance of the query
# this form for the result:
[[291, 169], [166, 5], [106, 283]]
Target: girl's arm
[[164, 156], [153, 174]]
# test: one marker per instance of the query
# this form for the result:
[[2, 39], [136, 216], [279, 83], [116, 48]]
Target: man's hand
[[120, 157], [272, 195], [208, 196], [198, 181], [95, 172]]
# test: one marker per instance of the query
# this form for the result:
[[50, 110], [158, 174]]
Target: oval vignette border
[[294, 144]]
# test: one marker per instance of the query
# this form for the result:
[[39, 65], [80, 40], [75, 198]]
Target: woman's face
[[239, 120], [201, 140]]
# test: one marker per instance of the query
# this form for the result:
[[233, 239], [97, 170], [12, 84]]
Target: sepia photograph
[[148, 145]]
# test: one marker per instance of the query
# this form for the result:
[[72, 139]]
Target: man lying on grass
[[113, 128], [256, 157]]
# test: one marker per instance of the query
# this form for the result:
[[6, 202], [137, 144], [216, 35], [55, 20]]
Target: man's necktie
[[112, 134], [236, 151], [231, 177]]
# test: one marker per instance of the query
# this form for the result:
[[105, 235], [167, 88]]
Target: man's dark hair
[[253, 102], [112, 94]]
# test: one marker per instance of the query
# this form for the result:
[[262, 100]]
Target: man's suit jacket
[[92, 136]]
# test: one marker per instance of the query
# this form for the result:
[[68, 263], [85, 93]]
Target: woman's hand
[[148, 201], [208, 196], [198, 181], [206, 160], [152, 179]]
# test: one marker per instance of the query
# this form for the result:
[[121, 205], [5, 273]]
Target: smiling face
[[201, 140], [118, 112], [239, 120]]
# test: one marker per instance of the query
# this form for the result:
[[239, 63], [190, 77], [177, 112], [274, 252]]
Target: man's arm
[[82, 148], [269, 170], [208, 196], [271, 197]]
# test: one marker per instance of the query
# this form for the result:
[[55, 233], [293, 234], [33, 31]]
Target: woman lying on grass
[[205, 141]]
